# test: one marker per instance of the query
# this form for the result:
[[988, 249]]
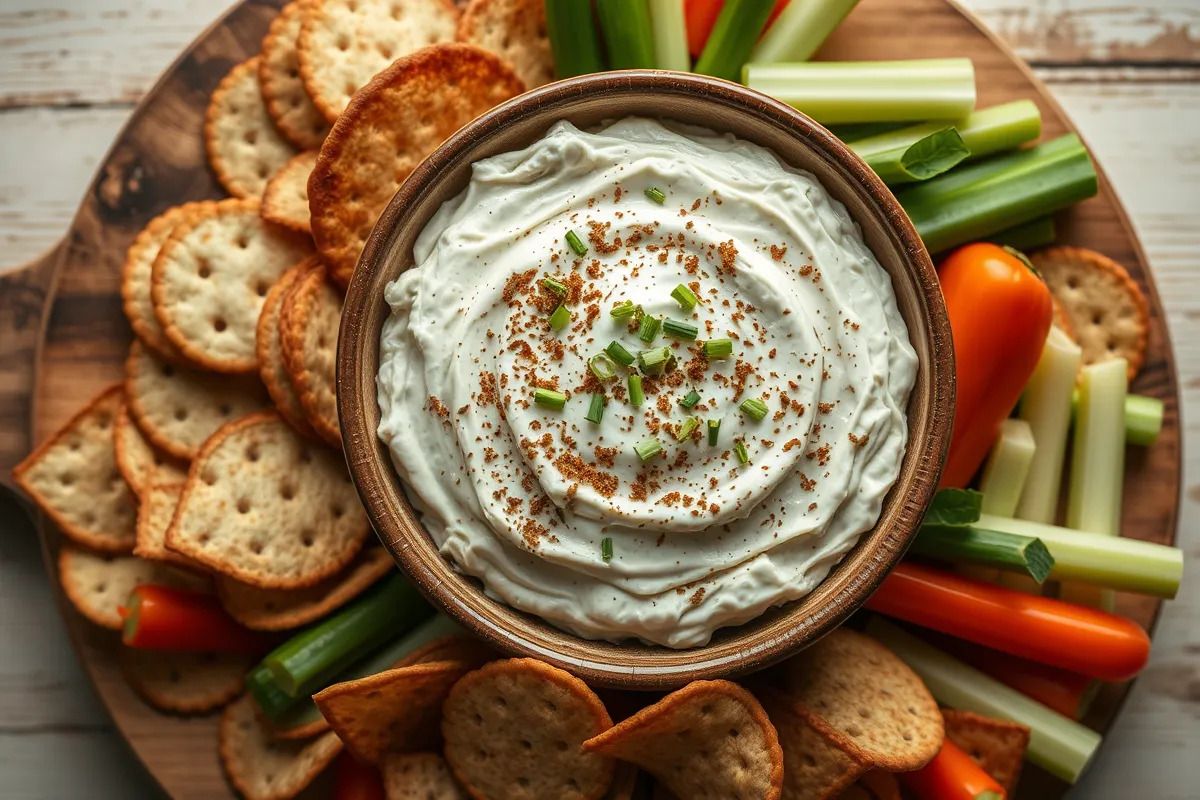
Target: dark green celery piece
[[627, 33], [574, 39], [733, 37]]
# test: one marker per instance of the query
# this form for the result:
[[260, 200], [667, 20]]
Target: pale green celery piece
[[916, 153], [1111, 562], [1143, 418], [1028, 235], [999, 128], [837, 92], [670, 35], [1058, 744], [1046, 406], [800, 30], [1007, 468]]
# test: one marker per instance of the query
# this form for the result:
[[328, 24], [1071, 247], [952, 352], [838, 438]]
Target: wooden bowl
[[799, 141]]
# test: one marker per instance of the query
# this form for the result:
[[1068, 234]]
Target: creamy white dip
[[522, 496]]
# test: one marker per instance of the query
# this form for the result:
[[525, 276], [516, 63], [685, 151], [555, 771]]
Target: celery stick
[[998, 128], [915, 153], [1098, 463], [733, 37], [977, 200], [1007, 468], [1143, 418], [1046, 406], [969, 544], [870, 91], [1059, 745], [857, 131], [574, 39], [800, 29], [670, 35], [1113, 562], [627, 33], [1027, 235]]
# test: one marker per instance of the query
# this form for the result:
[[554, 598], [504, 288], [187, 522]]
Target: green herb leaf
[[954, 507], [934, 154]]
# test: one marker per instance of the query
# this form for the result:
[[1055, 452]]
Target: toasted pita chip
[[140, 462], [244, 146], [998, 746], [97, 584], [74, 479], [390, 127], [515, 30], [419, 776], [308, 331], [211, 276], [863, 692], [285, 200], [271, 364], [261, 768], [343, 43], [816, 762], [178, 407], [268, 507], [186, 683], [282, 88], [710, 738]]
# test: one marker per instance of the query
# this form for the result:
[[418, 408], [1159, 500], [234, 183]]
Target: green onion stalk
[[574, 39], [627, 33], [732, 38]]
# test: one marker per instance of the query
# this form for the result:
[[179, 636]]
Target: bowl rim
[[364, 451]]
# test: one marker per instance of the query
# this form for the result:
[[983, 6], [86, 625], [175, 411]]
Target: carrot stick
[[1043, 629], [701, 16], [952, 775], [166, 618], [1066, 692]]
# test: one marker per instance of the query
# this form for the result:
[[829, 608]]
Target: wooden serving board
[[63, 335]]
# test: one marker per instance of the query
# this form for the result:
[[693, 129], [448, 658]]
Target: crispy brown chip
[[268, 507], [998, 746], [1107, 312], [283, 90], [74, 479], [817, 764], [244, 146], [211, 276], [308, 331], [515, 30], [710, 738], [154, 518], [343, 43], [140, 462], [97, 584], [271, 364], [419, 776], [285, 200], [178, 407], [186, 683], [863, 692], [280, 609], [397, 120], [261, 768]]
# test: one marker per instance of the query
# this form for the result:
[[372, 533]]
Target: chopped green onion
[[670, 35], [560, 319], [574, 38], [718, 348], [555, 285], [685, 430], [686, 297], [754, 407], [733, 35], [550, 398], [596, 409], [653, 361], [739, 449], [602, 367], [635, 391], [1046, 406], [626, 309], [648, 330], [648, 449], [1007, 469], [619, 354], [800, 29], [714, 430], [627, 33], [969, 545], [679, 330], [576, 243], [690, 399], [606, 549], [656, 194]]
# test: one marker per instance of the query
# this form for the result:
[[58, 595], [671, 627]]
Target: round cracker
[[390, 127], [210, 279], [516, 728], [244, 146], [283, 89], [135, 278], [261, 768], [1108, 313], [515, 30], [178, 407], [344, 43], [308, 330], [185, 683], [141, 464], [271, 364], [285, 200], [97, 584]]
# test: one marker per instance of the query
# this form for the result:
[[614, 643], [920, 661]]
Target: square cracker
[[140, 462], [997, 745], [157, 509]]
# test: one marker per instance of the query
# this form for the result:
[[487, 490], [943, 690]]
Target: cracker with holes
[[178, 407], [211, 276], [268, 507], [390, 127], [244, 146], [344, 43], [283, 91], [155, 513], [710, 738], [185, 683], [280, 609], [141, 463], [285, 200], [419, 776], [998, 746], [515, 728], [308, 330], [864, 693], [97, 584], [1106, 311], [271, 366], [515, 30], [816, 764], [135, 278], [261, 768], [74, 479]]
